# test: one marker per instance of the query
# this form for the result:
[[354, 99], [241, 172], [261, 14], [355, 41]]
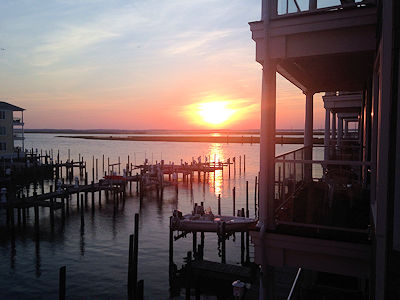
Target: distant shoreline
[[198, 139], [163, 132]]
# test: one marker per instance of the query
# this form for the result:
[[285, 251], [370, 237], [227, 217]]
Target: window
[[3, 146], [2, 130], [2, 114]]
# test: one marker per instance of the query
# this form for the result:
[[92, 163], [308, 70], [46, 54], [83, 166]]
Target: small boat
[[208, 222]]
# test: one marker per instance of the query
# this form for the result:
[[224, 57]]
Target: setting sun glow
[[215, 113]]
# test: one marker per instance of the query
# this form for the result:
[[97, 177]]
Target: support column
[[346, 129], [340, 131], [308, 135], [327, 133], [267, 146], [333, 125]]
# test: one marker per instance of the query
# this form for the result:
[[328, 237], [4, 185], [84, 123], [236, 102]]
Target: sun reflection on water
[[216, 154]]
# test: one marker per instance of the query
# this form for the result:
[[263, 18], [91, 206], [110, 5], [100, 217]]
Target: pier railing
[[295, 7], [318, 194]]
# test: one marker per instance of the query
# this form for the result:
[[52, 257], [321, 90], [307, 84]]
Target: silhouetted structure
[[333, 211]]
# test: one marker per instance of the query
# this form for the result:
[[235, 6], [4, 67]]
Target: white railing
[[291, 7], [312, 192]]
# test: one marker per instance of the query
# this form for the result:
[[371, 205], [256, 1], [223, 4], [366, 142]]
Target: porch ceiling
[[329, 73]]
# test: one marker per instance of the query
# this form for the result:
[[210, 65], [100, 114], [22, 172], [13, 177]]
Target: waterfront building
[[11, 130], [332, 213]]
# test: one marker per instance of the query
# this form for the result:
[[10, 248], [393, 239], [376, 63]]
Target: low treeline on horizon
[[166, 131]]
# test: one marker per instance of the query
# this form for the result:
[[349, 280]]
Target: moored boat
[[208, 222]]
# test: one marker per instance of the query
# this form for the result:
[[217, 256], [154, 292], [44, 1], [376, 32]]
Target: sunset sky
[[138, 64]]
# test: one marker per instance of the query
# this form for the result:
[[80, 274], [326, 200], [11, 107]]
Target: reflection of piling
[[234, 200], [219, 204], [229, 168], [82, 213], [133, 261], [187, 277], [223, 242], [171, 244], [247, 216], [62, 279], [36, 219]]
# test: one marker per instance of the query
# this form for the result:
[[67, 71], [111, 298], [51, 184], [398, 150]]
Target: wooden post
[[140, 290], [103, 164], [97, 169], [255, 198], [61, 284], [247, 199], [240, 164], [119, 165], [135, 253], [130, 269]]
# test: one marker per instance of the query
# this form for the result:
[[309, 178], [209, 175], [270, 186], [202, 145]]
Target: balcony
[[319, 48], [322, 198], [18, 122], [18, 137], [285, 8]]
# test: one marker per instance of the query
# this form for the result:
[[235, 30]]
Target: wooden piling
[[140, 290], [135, 252], [247, 199], [130, 269], [255, 198]]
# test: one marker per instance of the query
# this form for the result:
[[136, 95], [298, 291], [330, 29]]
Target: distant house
[[11, 129]]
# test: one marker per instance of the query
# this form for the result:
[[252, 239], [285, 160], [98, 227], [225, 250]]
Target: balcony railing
[[291, 7], [321, 195], [18, 137], [17, 121]]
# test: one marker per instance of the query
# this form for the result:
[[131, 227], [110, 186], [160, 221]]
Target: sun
[[216, 112]]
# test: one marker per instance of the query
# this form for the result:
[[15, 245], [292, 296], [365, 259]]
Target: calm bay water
[[97, 258]]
